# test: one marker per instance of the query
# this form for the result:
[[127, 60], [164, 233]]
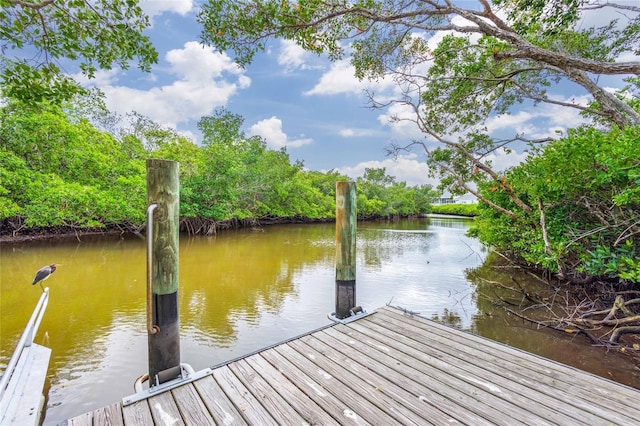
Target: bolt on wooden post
[[164, 345], [346, 224]]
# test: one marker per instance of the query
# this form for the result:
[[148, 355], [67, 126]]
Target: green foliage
[[456, 209], [622, 261], [456, 65], [57, 170], [587, 184], [381, 195], [560, 21], [462, 80], [14, 174], [99, 35], [57, 173]]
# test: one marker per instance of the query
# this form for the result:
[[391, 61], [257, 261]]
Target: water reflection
[[493, 322], [239, 291]]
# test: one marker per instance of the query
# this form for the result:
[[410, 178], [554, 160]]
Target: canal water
[[243, 290]]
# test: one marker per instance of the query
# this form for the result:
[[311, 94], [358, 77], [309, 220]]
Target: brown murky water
[[244, 290]]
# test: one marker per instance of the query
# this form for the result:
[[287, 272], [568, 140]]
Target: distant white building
[[463, 199]]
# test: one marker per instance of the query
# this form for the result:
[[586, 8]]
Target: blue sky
[[314, 108]]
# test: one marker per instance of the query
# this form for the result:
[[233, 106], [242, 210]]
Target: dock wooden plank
[[164, 410], [373, 389], [385, 368], [193, 410], [109, 415], [543, 393], [85, 419], [137, 413], [579, 391], [500, 388], [357, 403], [222, 409], [468, 393], [461, 399], [420, 398], [250, 408], [308, 409], [339, 409], [277, 406]]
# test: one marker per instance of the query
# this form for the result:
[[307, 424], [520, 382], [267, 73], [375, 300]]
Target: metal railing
[[25, 340], [151, 327]]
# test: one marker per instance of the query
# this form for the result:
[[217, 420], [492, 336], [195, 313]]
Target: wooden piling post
[[346, 224], [164, 339]]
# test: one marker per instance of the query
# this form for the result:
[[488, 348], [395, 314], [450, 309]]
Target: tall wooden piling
[[164, 337], [346, 224]]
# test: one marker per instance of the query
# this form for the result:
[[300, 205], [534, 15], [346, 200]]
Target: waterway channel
[[243, 290]]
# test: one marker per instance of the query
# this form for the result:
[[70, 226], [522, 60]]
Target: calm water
[[241, 291]]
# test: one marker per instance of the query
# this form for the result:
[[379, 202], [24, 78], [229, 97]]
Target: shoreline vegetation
[[188, 226], [61, 174], [468, 210]]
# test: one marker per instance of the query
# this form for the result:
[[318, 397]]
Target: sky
[[316, 109]]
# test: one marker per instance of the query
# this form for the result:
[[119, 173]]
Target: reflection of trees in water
[[492, 281], [240, 276], [448, 317], [449, 222], [378, 246]]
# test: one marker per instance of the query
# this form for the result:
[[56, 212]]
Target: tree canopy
[[455, 64], [58, 171], [37, 36], [586, 210]]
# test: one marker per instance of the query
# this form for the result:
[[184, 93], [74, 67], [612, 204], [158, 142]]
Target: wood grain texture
[[219, 405], [137, 413], [192, 408], [312, 412], [164, 410], [250, 407], [386, 368], [109, 415]]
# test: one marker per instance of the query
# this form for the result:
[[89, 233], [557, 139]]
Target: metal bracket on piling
[[355, 314], [187, 375]]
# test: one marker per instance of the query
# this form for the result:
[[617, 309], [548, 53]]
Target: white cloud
[[158, 7], [407, 168], [502, 159], [401, 119], [100, 78], [292, 56], [341, 79], [543, 120], [515, 122], [271, 130], [357, 133], [202, 80], [199, 63]]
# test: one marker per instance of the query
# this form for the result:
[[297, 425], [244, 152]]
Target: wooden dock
[[22, 381], [386, 368]]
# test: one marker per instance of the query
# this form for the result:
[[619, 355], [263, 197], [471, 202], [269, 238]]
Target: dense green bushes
[[61, 172], [584, 191], [456, 209]]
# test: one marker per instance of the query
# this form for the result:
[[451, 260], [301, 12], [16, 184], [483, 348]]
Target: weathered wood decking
[[386, 368], [22, 381]]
